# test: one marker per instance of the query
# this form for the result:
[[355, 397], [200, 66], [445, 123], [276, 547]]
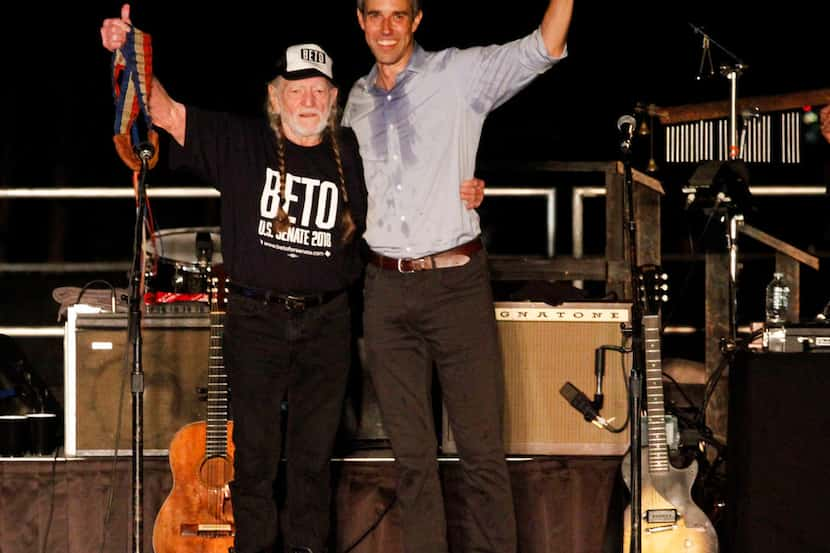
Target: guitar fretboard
[[658, 455], [217, 400]]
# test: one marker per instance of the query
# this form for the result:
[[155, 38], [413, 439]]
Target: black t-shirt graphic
[[239, 156]]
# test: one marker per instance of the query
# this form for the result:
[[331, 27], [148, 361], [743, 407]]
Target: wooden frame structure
[[788, 260], [613, 268]]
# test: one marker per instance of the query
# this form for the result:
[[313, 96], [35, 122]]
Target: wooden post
[[616, 238], [717, 327]]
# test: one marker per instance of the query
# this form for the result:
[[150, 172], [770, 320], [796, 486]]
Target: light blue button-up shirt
[[419, 140]]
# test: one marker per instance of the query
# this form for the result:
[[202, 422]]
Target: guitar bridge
[[665, 516], [662, 528], [214, 530]]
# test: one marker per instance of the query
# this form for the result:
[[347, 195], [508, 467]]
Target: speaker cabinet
[[542, 348], [776, 468], [97, 376]]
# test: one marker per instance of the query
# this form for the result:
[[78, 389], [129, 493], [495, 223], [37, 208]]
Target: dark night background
[[56, 115]]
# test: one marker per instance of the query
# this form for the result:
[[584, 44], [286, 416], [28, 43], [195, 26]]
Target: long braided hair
[[281, 221]]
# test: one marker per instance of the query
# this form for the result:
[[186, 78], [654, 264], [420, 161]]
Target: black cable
[[683, 421], [726, 360], [372, 526], [713, 380], [679, 389], [704, 433], [114, 470], [52, 485], [111, 493], [90, 283], [727, 357], [609, 427]]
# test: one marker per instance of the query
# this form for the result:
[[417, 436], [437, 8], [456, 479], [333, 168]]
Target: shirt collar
[[415, 65]]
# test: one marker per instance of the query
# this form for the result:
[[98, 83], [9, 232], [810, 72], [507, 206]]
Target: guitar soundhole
[[216, 472]]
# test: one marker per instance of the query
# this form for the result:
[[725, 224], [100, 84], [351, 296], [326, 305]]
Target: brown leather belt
[[454, 257]]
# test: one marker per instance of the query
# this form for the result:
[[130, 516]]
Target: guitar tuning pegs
[[664, 298]]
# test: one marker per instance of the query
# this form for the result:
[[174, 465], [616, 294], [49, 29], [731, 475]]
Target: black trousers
[[445, 316], [271, 354]]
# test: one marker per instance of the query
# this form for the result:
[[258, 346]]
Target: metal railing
[[581, 192], [548, 194], [578, 196], [106, 193]]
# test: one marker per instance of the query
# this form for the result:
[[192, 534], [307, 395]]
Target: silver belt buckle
[[295, 304], [400, 267]]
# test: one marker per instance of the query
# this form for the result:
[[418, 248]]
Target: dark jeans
[[445, 316], [273, 354]]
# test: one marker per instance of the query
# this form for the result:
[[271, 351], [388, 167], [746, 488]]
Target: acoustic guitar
[[670, 520], [197, 516]]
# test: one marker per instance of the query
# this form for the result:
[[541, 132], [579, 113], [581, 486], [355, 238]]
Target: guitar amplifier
[[542, 348], [797, 338], [97, 380]]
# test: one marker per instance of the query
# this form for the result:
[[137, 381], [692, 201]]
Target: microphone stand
[[638, 354], [732, 220], [145, 153]]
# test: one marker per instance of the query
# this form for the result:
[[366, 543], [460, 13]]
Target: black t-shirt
[[239, 156]]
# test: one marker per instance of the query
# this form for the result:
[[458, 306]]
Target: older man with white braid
[[293, 213]]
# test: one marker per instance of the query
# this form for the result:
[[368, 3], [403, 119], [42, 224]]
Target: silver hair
[[415, 4]]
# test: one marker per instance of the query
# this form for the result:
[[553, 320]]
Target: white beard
[[294, 123]]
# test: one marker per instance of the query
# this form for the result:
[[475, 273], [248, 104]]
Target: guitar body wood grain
[[693, 532], [196, 517]]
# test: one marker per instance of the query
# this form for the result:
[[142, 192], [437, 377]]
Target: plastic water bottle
[[778, 300]]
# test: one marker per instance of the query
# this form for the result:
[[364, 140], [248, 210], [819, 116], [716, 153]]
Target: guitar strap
[[132, 75]]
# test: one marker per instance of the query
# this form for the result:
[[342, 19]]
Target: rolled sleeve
[[494, 74]]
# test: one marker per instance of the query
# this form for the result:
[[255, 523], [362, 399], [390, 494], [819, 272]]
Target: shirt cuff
[[543, 50]]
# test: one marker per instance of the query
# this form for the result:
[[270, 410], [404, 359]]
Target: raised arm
[[165, 112], [555, 25]]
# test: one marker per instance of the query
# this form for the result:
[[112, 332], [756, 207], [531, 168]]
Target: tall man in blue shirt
[[418, 117]]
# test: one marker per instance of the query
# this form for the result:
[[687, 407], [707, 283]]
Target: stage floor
[[71, 505]]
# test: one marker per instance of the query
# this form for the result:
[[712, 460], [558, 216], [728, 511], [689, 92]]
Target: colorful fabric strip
[[132, 75]]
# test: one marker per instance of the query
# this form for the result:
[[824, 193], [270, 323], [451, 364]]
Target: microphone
[[599, 372], [626, 125], [581, 403], [204, 248], [753, 113], [145, 151]]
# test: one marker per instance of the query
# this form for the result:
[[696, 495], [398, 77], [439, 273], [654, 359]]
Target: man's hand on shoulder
[[472, 192]]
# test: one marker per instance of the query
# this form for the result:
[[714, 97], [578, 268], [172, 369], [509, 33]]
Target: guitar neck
[[658, 455], [217, 400]]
